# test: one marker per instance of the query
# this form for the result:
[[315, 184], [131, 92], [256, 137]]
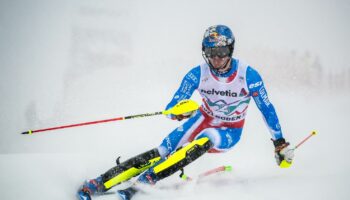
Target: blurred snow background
[[67, 62]]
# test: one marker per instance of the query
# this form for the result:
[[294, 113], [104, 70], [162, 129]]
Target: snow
[[69, 62]]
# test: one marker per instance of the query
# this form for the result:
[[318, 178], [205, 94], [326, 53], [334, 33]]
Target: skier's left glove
[[282, 151]]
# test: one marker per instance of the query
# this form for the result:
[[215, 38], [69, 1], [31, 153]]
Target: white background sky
[[72, 61]]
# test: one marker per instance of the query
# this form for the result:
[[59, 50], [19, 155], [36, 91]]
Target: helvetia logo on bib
[[227, 93]]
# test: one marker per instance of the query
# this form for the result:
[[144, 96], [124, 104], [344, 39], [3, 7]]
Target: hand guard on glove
[[283, 152]]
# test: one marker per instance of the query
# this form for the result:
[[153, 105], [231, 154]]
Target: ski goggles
[[220, 52]]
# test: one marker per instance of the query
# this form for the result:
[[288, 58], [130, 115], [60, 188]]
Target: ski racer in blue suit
[[226, 85]]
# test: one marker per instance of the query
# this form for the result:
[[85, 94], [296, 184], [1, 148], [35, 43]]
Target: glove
[[283, 152], [183, 116]]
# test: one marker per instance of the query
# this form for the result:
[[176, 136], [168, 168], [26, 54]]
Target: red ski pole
[[304, 140], [92, 122], [284, 163], [182, 107]]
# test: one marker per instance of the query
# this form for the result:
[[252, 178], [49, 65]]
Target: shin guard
[[130, 168], [182, 157]]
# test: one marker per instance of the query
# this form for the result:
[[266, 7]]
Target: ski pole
[[304, 140], [284, 163], [182, 107]]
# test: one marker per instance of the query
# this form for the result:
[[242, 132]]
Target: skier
[[226, 85]]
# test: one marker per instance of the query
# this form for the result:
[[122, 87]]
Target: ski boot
[[128, 193], [83, 195], [91, 187]]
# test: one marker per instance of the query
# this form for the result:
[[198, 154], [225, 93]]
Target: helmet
[[218, 36], [218, 41]]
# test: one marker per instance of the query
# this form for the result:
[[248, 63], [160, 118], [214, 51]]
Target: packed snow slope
[[67, 62]]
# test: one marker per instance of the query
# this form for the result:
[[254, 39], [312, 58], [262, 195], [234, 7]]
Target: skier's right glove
[[183, 116], [282, 151]]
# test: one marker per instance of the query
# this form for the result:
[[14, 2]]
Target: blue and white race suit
[[224, 107]]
